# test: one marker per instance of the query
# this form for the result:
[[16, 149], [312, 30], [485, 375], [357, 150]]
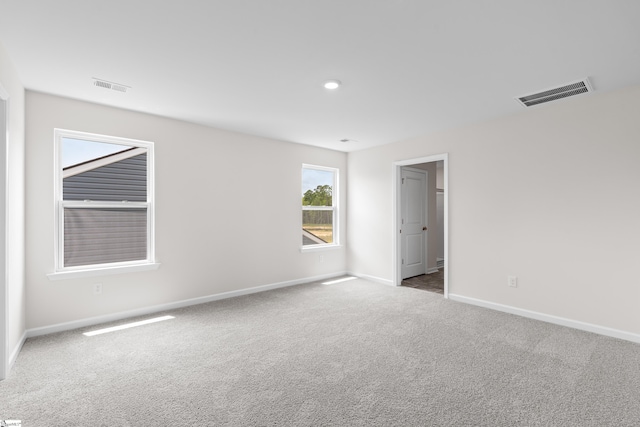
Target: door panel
[[413, 198], [414, 254]]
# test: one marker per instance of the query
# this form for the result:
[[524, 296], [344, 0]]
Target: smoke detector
[[570, 89], [110, 85]]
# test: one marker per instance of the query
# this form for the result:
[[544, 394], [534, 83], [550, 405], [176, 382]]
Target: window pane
[[317, 187], [317, 227], [104, 235], [77, 151], [105, 172], [318, 205]]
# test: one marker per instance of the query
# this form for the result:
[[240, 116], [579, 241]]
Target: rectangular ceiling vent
[[554, 94], [110, 85], [119, 88]]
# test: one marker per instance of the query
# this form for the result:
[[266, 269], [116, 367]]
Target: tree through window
[[319, 205]]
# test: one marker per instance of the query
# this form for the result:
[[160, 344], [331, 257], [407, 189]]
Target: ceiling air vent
[[119, 88], [110, 85], [100, 83], [549, 95]]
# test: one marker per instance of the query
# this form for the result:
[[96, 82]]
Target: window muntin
[[104, 188], [319, 206]]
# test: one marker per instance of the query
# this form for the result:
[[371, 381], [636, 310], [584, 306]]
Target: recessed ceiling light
[[332, 84]]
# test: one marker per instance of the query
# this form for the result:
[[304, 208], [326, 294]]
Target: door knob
[[424, 228]]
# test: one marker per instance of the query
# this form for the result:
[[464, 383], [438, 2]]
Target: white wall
[[227, 213], [440, 210], [15, 202], [562, 211], [440, 175], [440, 225]]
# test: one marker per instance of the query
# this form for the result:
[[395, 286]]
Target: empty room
[[320, 213]]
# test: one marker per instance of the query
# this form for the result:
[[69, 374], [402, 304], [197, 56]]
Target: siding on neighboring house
[[122, 180], [106, 235], [98, 236]]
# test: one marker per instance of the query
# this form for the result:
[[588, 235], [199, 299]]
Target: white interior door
[[413, 224]]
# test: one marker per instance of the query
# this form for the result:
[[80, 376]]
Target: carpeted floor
[[349, 354]]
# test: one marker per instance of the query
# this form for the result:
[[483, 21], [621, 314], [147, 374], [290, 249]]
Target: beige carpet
[[350, 354]]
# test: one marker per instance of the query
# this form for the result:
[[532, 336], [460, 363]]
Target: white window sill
[[316, 248], [104, 271]]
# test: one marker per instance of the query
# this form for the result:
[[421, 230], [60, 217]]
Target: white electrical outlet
[[97, 288], [513, 281]]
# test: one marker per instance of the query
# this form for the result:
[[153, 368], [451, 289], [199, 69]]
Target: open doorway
[[420, 223]]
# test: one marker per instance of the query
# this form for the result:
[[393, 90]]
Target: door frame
[[396, 214], [4, 170]]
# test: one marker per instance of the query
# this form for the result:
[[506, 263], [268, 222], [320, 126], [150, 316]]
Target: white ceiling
[[408, 67]]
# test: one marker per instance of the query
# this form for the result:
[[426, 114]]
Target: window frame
[[335, 195], [149, 262]]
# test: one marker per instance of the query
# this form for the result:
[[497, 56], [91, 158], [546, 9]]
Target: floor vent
[[110, 85], [554, 94]]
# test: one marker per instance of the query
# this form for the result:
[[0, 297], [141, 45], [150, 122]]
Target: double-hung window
[[319, 206], [104, 202]]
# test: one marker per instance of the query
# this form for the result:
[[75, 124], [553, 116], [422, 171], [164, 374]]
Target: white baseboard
[[14, 354], [432, 270], [372, 278], [81, 323], [583, 326]]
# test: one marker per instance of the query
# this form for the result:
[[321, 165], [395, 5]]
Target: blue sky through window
[[76, 151], [311, 178]]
